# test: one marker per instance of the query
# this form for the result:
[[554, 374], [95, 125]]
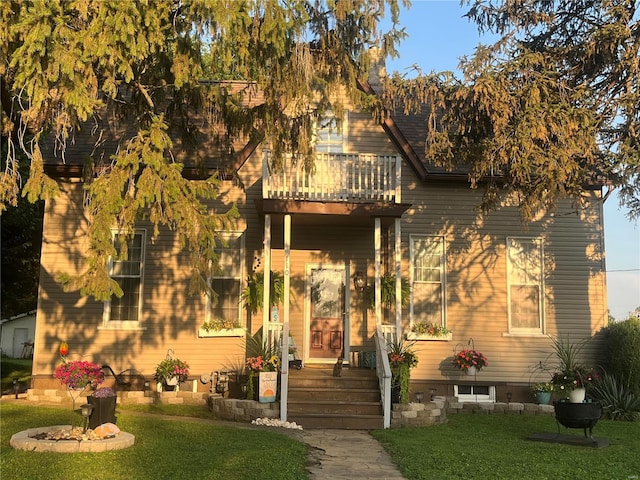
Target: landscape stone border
[[24, 441]]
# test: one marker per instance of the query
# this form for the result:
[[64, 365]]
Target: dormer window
[[331, 138]]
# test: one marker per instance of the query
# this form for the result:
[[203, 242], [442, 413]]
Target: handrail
[[383, 370], [335, 177]]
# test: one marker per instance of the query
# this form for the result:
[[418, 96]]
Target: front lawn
[[164, 449], [15, 368], [495, 447]]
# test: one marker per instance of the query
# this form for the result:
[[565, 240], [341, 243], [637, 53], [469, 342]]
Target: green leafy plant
[[618, 402], [253, 293], [623, 351], [171, 367], [218, 324], [571, 372], [430, 328], [402, 358], [388, 292]]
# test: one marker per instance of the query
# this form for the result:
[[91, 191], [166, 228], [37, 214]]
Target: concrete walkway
[[347, 454]]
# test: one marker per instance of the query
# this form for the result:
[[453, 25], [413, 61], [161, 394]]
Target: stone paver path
[[348, 455]]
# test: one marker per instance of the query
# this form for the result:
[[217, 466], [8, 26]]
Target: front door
[[327, 337]]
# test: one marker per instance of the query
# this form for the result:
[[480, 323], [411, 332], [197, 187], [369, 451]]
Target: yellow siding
[[476, 279]]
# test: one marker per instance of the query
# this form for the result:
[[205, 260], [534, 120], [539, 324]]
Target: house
[[17, 334], [374, 208]]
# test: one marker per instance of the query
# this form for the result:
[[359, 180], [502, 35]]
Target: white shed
[[17, 334]]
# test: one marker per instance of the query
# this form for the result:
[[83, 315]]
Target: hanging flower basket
[[466, 359]]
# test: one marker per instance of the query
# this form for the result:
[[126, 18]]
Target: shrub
[[617, 402], [622, 352]]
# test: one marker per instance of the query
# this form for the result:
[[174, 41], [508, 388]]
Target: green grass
[[11, 368], [495, 447], [164, 449]]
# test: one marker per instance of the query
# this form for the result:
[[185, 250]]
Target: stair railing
[[383, 371]]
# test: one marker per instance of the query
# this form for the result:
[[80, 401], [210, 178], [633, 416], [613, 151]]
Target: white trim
[[475, 398], [306, 340], [107, 323], [443, 276], [225, 332], [541, 328], [235, 235], [429, 338]]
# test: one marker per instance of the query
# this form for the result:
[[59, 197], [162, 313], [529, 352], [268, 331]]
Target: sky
[[438, 36]]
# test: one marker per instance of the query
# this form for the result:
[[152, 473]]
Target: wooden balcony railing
[[336, 177]]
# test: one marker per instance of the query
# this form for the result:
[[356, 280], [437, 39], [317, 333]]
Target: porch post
[[284, 354], [266, 290], [398, 257], [377, 241]]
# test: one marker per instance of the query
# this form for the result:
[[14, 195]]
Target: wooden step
[[348, 422], [334, 407], [317, 399]]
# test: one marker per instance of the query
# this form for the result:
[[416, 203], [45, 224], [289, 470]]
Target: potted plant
[[262, 364], [77, 376], [170, 372], [425, 330], [572, 377], [542, 392], [103, 401], [402, 359], [388, 292], [470, 361], [220, 327], [253, 294]]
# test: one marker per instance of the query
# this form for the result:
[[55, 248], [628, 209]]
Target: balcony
[[336, 177]]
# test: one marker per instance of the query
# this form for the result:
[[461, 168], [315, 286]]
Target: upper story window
[[331, 138], [525, 279], [127, 269], [428, 280], [223, 307]]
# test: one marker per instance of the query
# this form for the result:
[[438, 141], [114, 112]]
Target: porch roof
[[332, 212]]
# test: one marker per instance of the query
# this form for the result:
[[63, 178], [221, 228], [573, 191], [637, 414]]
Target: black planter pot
[[104, 411], [395, 394], [578, 415]]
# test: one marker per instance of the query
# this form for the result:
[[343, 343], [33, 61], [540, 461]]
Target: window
[[329, 137], [127, 270], [475, 393], [224, 309], [428, 280], [525, 285]]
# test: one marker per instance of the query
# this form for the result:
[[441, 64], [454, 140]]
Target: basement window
[[475, 393]]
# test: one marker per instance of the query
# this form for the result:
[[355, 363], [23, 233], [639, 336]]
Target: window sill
[[225, 332], [130, 326], [429, 338], [523, 334]]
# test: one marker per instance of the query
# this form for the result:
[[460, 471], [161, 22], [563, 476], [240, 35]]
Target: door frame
[[346, 337]]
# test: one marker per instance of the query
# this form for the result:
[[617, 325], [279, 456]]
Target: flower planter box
[[104, 411], [429, 338], [225, 332]]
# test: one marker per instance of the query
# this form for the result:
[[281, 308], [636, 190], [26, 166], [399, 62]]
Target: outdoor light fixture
[[419, 397], [433, 393], [359, 281], [509, 395], [222, 382], [86, 410]]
